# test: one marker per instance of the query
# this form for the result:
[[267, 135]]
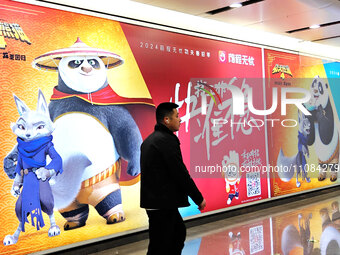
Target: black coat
[[165, 180]]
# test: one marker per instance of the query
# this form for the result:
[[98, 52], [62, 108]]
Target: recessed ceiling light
[[236, 5], [314, 26]]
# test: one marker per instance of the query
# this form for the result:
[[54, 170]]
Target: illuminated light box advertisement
[[99, 180], [101, 81], [56, 51], [170, 64], [227, 141], [305, 147]]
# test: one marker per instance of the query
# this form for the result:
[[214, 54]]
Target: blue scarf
[[28, 150], [30, 196], [302, 140]]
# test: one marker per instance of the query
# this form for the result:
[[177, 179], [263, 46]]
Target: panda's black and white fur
[[324, 133], [90, 137]]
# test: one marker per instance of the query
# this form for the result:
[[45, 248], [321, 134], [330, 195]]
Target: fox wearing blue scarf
[[298, 162], [31, 184]]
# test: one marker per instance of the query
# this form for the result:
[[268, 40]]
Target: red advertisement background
[[162, 70]]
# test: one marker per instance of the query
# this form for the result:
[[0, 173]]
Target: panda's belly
[[80, 136], [325, 151]]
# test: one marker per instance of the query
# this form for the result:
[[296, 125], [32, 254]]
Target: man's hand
[[202, 205]]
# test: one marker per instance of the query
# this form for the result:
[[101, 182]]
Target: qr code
[[253, 184], [256, 243]]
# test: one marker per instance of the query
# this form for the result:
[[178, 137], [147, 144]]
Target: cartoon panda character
[[94, 132], [324, 133]]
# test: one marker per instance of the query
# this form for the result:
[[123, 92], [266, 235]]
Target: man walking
[[166, 184]]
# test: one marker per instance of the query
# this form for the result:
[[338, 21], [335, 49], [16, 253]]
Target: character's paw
[[54, 231], [15, 191], [321, 177], [298, 184], [133, 169], [43, 173], [115, 217], [308, 179], [69, 225], [320, 111], [10, 239], [228, 201], [333, 177]]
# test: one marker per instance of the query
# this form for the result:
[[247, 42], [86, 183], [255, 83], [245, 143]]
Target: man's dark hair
[[164, 110]]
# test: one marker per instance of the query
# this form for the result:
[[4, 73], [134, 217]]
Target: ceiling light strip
[[326, 38], [307, 28], [227, 8]]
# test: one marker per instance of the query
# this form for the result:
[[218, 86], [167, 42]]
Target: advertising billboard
[[86, 89]]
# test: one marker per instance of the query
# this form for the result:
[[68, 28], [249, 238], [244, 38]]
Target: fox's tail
[[66, 186], [286, 166]]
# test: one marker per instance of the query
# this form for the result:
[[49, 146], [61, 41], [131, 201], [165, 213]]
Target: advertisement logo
[[222, 56], [12, 31], [283, 69]]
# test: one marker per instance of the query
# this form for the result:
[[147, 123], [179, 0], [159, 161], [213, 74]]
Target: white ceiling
[[276, 16]]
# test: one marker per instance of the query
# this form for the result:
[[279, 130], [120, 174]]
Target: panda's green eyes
[[75, 63], [94, 63]]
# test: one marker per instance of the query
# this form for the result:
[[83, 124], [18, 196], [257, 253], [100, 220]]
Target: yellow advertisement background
[[304, 69], [49, 30]]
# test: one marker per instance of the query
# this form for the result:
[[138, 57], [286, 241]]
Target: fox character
[[31, 183], [297, 161]]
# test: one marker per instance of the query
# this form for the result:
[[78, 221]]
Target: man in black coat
[[166, 184]]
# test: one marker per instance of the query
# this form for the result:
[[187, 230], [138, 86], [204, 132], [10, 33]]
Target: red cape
[[105, 96]]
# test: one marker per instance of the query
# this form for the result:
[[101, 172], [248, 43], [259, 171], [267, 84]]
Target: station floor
[[302, 224]]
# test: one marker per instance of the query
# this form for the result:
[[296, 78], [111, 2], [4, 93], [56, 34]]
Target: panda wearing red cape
[[97, 133]]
